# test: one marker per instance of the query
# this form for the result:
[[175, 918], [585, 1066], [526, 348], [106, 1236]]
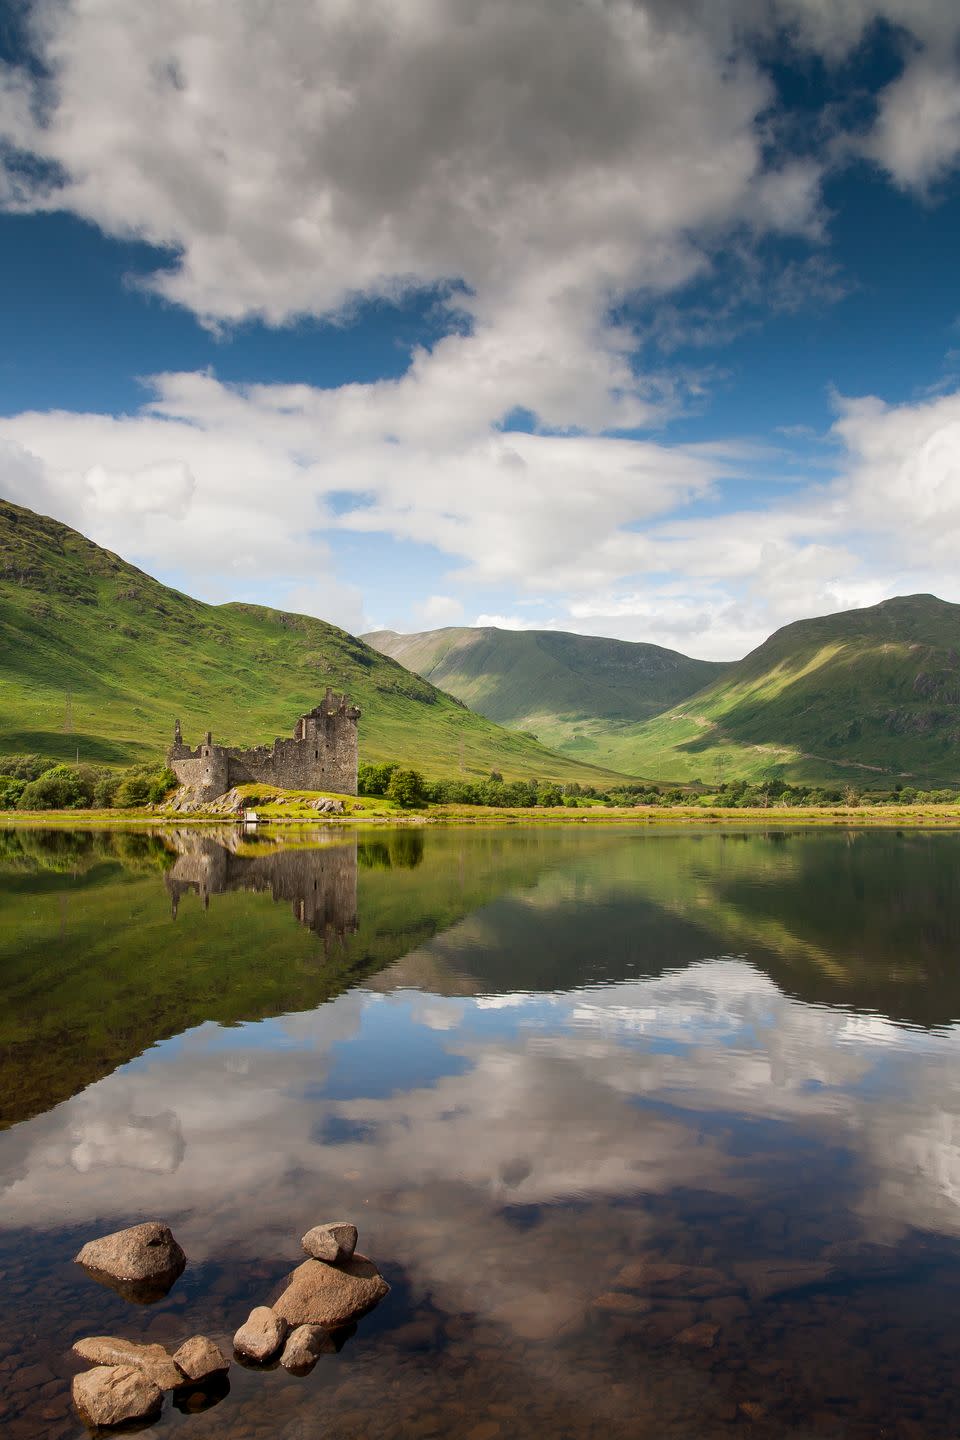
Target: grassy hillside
[[869, 695], [576, 693], [98, 658]]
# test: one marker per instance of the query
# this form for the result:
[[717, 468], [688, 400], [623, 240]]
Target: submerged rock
[[662, 1277], [331, 1295], [262, 1335], [701, 1336], [115, 1395], [619, 1302], [199, 1358], [142, 1262], [764, 1278], [335, 1241], [153, 1360], [304, 1347], [194, 1399]]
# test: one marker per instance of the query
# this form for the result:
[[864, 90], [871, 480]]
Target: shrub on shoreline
[[27, 783]]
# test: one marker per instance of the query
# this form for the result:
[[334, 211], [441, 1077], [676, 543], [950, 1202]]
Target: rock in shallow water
[[262, 1335], [199, 1358], [334, 1241], [304, 1347], [331, 1295], [153, 1360], [144, 1257], [115, 1395]]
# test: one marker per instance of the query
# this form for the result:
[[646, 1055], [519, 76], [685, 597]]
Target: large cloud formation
[[540, 164]]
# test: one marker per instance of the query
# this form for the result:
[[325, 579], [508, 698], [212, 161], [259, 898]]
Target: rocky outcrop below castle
[[234, 804]]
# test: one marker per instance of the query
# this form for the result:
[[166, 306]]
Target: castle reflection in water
[[320, 883]]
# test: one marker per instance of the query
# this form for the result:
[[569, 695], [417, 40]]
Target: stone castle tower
[[321, 756]]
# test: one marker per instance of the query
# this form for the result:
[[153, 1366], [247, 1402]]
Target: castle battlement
[[322, 755]]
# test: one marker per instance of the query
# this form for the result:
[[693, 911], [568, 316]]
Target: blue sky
[[634, 319]]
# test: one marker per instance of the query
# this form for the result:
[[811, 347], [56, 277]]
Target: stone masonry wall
[[205, 770], [322, 755]]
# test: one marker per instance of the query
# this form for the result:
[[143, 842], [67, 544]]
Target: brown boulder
[[331, 1295], [141, 1262], [115, 1395], [262, 1335], [303, 1348], [153, 1360], [335, 1241], [199, 1358]]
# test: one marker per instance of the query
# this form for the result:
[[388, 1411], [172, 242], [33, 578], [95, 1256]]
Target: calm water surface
[[531, 1065]]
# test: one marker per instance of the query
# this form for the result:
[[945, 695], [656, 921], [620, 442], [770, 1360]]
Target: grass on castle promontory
[[97, 660]]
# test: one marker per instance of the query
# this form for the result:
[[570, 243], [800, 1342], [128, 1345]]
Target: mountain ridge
[[872, 692], [97, 659], [556, 684]]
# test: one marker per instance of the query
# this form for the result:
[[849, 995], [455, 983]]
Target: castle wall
[[205, 770], [323, 755]]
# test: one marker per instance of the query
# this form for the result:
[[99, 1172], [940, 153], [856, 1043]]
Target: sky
[[636, 318]]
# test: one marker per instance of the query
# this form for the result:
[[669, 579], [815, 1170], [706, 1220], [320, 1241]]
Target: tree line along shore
[[31, 786]]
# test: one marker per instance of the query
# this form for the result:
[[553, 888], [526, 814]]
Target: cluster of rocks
[[127, 1383], [329, 1291]]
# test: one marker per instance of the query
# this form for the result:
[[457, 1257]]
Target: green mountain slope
[[576, 693], [98, 658], [868, 695]]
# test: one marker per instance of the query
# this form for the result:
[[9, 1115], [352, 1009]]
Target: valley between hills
[[867, 696], [97, 659]]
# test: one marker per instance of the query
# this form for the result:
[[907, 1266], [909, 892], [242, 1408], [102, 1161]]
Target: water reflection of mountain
[[320, 884], [867, 920], [93, 970]]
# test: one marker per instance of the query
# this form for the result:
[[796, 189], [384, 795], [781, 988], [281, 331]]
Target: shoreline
[[864, 817]]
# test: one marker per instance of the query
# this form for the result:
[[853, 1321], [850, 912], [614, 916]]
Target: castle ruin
[[321, 756]]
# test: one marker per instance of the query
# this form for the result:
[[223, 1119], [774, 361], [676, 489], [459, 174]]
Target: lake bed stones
[[619, 1302], [200, 1359], [766, 1278], [702, 1335], [261, 1336], [330, 1295], [660, 1277], [334, 1241], [115, 1395], [141, 1262], [153, 1360]]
